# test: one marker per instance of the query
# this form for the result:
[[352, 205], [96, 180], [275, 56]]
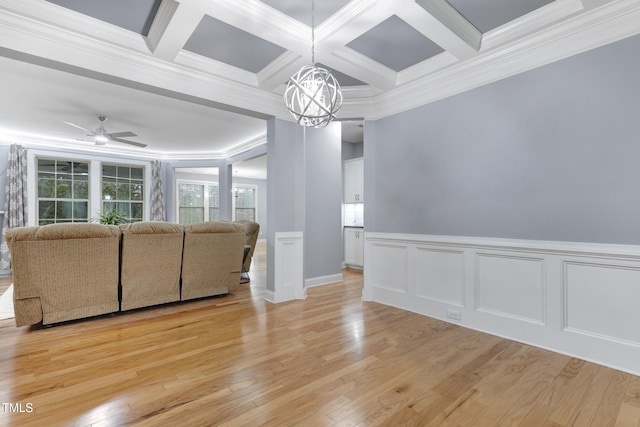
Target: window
[[244, 203], [123, 191], [191, 203], [63, 191], [214, 203], [200, 201], [77, 188]]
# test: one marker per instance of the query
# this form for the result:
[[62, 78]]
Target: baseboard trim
[[323, 280], [572, 298]]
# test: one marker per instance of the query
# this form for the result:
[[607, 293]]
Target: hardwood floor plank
[[629, 416], [328, 360], [610, 405]]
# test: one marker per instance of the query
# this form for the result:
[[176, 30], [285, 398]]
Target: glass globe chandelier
[[313, 95]]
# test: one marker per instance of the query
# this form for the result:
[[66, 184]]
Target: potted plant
[[110, 218]]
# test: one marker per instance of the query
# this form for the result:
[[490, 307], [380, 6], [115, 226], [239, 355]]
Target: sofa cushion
[[62, 231], [151, 260], [64, 271], [212, 259], [151, 227]]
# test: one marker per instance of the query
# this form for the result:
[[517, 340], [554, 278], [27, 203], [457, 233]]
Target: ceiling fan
[[101, 136]]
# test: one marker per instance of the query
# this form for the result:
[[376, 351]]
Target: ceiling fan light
[[101, 139]]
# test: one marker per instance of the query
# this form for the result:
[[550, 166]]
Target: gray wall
[[351, 150], [323, 207], [285, 185], [551, 154], [305, 192]]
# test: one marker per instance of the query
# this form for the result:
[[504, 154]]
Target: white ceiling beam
[[264, 22], [277, 72], [444, 25], [173, 25], [355, 19], [361, 67]]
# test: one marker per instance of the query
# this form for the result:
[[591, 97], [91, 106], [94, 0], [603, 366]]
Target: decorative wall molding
[[322, 280], [578, 299], [288, 267], [553, 32], [595, 28]]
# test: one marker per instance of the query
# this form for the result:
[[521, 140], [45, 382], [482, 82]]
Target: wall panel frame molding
[[289, 268], [578, 299]]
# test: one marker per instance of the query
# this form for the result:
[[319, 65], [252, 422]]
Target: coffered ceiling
[[198, 78]]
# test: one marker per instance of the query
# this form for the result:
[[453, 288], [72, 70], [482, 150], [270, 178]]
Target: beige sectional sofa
[[71, 271], [64, 271]]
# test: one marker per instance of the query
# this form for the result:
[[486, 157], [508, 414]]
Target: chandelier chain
[[313, 33], [313, 95]]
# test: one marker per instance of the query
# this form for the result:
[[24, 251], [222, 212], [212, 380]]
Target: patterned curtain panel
[[15, 204], [157, 196]]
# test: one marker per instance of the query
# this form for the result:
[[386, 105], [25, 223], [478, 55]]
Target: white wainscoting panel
[[603, 301], [580, 299], [510, 286], [390, 268], [288, 267], [440, 275]]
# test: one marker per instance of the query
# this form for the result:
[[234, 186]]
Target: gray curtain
[[15, 203], [157, 196]]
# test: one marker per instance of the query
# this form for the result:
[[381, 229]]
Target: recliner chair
[[252, 230]]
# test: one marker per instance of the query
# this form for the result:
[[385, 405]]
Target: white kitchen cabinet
[[354, 181], [354, 247]]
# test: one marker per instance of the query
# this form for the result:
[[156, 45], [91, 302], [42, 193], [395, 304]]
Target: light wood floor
[[328, 360]]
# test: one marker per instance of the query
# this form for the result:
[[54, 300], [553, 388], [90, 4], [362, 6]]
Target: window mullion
[[95, 188]]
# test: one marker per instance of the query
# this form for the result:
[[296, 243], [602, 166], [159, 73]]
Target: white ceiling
[[196, 79]]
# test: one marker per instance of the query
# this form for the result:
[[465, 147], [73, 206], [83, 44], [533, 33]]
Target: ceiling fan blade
[[79, 127], [121, 134], [126, 141]]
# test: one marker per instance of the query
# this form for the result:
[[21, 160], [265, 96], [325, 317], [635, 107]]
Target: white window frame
[[206, 184], [95, 179], [255, 200], [206, 195]]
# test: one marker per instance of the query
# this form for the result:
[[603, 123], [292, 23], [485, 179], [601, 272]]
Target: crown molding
[[42, 13], [425, 68], [211, 66], [601, 26], [38, 29], [31, 140], [530, 23], [82, 52]]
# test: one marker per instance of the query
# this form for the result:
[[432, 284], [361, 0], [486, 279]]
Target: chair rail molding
[[573, 298]]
